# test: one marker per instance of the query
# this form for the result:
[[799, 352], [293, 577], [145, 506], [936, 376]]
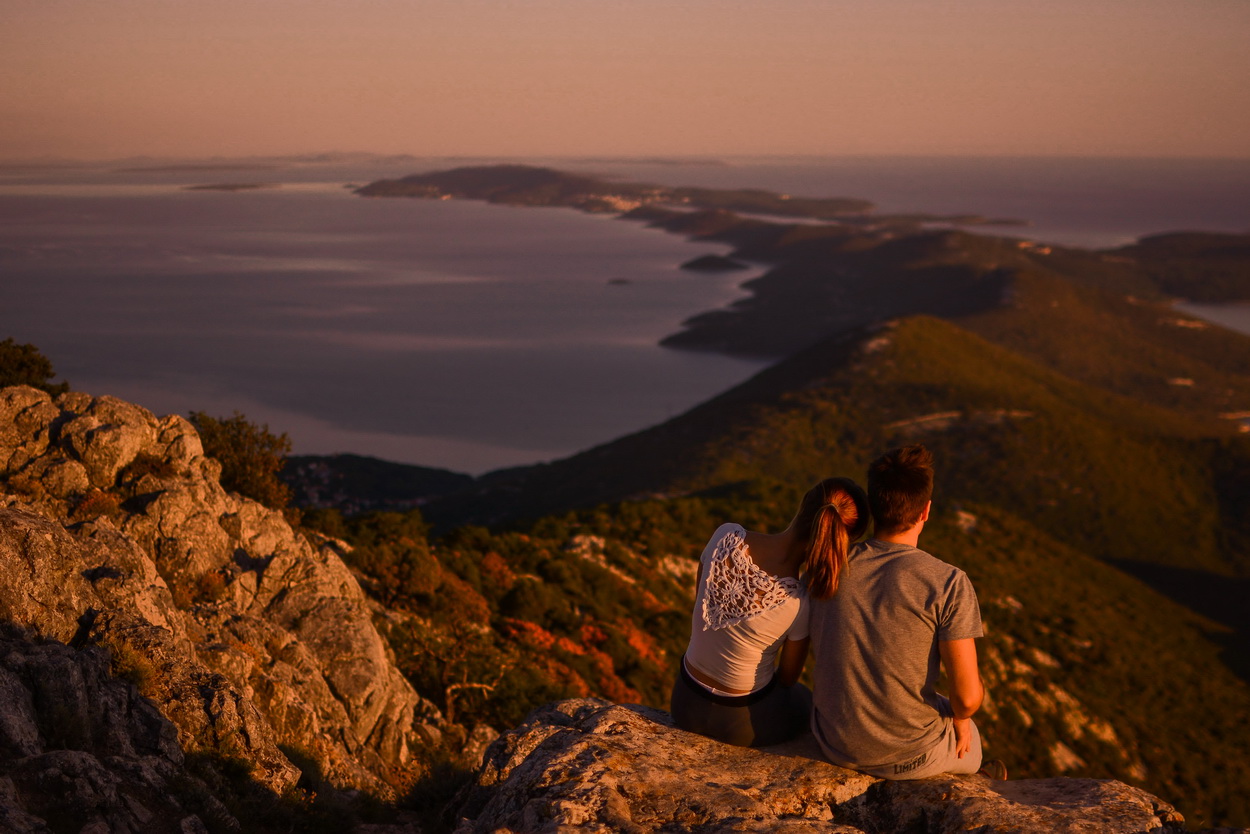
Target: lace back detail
[[737, 588]]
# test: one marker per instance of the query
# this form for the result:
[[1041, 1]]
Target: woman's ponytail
[[834, 513]]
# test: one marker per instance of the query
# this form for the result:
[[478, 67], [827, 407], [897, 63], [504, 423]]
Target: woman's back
[[742, 614], [750, 611]]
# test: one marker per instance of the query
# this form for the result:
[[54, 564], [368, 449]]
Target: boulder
[[115, 528], [591, 766], [26, 416]]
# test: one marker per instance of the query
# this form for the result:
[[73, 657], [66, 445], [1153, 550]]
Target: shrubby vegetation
[[498, 622], [25, 365], [1071, 642], [251, 456]]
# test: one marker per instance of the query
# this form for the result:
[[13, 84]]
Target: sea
[[458, 334]]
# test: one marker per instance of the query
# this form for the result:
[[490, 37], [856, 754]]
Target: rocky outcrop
[[83, 750], [591, 766], [77, 589], [249, 638]]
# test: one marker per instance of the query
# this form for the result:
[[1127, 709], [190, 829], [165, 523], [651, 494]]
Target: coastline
[[816, 285], [801, 300]]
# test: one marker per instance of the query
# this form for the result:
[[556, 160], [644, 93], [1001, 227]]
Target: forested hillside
[[1045, 483]]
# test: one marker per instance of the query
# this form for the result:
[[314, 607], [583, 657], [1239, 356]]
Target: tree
[[251, 456], [25, 365]]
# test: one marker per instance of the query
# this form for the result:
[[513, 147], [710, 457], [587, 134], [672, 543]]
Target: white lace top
[[742, 614]]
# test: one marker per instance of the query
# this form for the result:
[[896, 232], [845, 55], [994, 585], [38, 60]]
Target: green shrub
[[25, 365], [250, 455]]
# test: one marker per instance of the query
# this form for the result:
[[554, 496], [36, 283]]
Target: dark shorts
[[772, 715]]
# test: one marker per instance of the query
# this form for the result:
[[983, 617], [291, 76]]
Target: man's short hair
[[900, 485]]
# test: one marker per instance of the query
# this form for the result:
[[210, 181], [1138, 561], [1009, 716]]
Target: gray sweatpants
[[941, 758]]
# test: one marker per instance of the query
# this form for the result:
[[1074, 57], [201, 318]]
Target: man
[[878, 642]]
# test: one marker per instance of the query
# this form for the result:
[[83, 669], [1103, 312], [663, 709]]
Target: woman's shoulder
[[726, 534]]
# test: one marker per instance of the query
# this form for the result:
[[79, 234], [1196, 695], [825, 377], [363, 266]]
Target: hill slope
[[1045, 485]]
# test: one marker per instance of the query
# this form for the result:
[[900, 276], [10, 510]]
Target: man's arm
[[959, 658]]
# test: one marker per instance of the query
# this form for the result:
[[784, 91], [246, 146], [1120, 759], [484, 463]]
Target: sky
[[186, 78]]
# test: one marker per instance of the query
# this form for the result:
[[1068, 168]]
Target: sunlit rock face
[[253, 641], [596, 767]]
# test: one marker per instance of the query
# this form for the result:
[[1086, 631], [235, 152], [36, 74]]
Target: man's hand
[[963, 736]]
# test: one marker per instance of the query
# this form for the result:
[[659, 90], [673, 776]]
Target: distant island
[[232, 186]]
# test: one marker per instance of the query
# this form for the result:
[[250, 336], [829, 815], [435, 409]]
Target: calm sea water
[[1233, 316], [459, 334]]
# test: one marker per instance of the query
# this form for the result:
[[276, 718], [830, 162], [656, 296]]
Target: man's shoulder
[[906, 558]]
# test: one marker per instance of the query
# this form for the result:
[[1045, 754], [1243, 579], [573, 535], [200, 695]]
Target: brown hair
[[900, 485], [832, 515]]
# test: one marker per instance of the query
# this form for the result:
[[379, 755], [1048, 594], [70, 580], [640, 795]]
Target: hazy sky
[[107, 78]]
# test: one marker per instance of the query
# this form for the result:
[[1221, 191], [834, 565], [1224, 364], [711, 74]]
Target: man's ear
[[924, 516]]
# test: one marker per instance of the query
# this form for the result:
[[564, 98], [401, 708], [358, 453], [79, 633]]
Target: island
[[232, 186]]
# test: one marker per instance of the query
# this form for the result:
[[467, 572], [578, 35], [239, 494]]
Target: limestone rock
[[616, 768], [82, 750], [1060, 805], [26, 416], [41, 575], [592, 766], [105, 508], [210, 712]]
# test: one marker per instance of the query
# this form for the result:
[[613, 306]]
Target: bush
[[25, 365], [251, 456]]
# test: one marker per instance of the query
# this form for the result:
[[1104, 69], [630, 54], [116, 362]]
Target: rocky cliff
[[252, 642], [592, 766]]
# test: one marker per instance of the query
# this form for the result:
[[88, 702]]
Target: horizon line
[[333, 156]]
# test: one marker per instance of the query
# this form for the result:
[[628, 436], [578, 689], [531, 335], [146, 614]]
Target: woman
[[751, 607]]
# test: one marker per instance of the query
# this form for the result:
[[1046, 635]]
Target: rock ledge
[[590, 766]]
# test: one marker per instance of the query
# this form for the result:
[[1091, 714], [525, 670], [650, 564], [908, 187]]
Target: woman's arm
[[793, 656]]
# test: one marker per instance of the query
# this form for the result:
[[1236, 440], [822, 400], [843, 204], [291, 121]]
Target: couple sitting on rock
[[880, 617]]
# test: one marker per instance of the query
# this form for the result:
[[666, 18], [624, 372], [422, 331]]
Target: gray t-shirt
[[875, 645]]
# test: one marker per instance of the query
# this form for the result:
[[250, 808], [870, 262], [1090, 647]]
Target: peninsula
[[835, 264], [527, 185]]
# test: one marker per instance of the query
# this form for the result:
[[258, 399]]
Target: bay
[[460, 335]]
